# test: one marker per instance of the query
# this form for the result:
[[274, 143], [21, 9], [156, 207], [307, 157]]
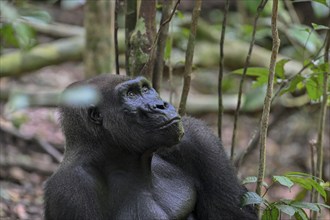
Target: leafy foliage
[[312, 81], [293, 207], [14, 31], [251, 198]]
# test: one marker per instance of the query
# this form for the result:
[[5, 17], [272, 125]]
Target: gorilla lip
[[170, 122]]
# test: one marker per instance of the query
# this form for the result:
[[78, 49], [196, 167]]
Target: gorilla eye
[[145, 89], [130, 93]]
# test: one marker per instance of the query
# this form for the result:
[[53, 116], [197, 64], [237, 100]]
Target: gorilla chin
[[174, 131]]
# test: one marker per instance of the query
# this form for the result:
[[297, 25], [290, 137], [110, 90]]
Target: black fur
[[132, 157]]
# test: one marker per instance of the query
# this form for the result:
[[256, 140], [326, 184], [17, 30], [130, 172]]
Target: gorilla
[[131, 156]]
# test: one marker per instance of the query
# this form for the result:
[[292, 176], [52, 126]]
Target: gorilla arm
[[75, 186], [218, 189]]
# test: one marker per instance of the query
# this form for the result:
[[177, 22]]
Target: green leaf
[[319, 27], [24, 34], [270, 213], [314, 88], [322, 68], [253, 71], [279, 68], [318, 188], [323, 205], [260, 81], [306, 205], [249, 179], [325, 184], [298, 174], [287, 209], [301, 182], [7, 35], [300, 214], [283, 181], [302, 175], [293, 84], [251, 198], [306, 181]]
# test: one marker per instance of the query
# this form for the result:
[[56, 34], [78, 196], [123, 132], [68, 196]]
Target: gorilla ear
[[94, 115]]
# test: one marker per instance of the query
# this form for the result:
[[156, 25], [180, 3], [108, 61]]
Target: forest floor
[[26, 162]]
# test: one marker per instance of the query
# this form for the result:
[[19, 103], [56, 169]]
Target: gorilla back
[[131, 156]]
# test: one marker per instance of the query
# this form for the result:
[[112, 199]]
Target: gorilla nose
[[160, 106]]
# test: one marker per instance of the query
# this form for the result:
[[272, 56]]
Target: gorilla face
[[152, 120], [132, 113]]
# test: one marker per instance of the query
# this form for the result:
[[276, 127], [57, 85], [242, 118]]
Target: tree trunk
[[130, 22], [141, 41], [99, 51]]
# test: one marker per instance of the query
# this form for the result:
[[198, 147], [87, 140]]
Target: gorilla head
[[130, 111]]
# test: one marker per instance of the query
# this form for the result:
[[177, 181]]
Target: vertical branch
[[161, 42], [312, 145], [147, 12], [116, 37], [247, 62], [98, 55], [222, 39], [130, 22], [170, 68], [268, 99], [189, 57], [140, 36], [323, 112]]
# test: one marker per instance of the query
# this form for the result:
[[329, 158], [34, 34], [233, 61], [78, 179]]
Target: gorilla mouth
[[170, 122]]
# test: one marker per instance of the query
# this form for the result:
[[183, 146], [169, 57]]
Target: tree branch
[[189, 57], [221, 65], [267, 102], [321, 126]]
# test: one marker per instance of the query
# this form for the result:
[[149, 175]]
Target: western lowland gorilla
[[131, 156]]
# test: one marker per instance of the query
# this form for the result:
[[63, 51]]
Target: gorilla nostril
[[162, 107]]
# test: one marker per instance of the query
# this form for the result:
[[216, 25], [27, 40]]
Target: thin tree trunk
[[142, 43], [99, 51], [161, 43], [323, 113], [116, 36], [221, 65], [130, 22], [189, 57], [267, 102]]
